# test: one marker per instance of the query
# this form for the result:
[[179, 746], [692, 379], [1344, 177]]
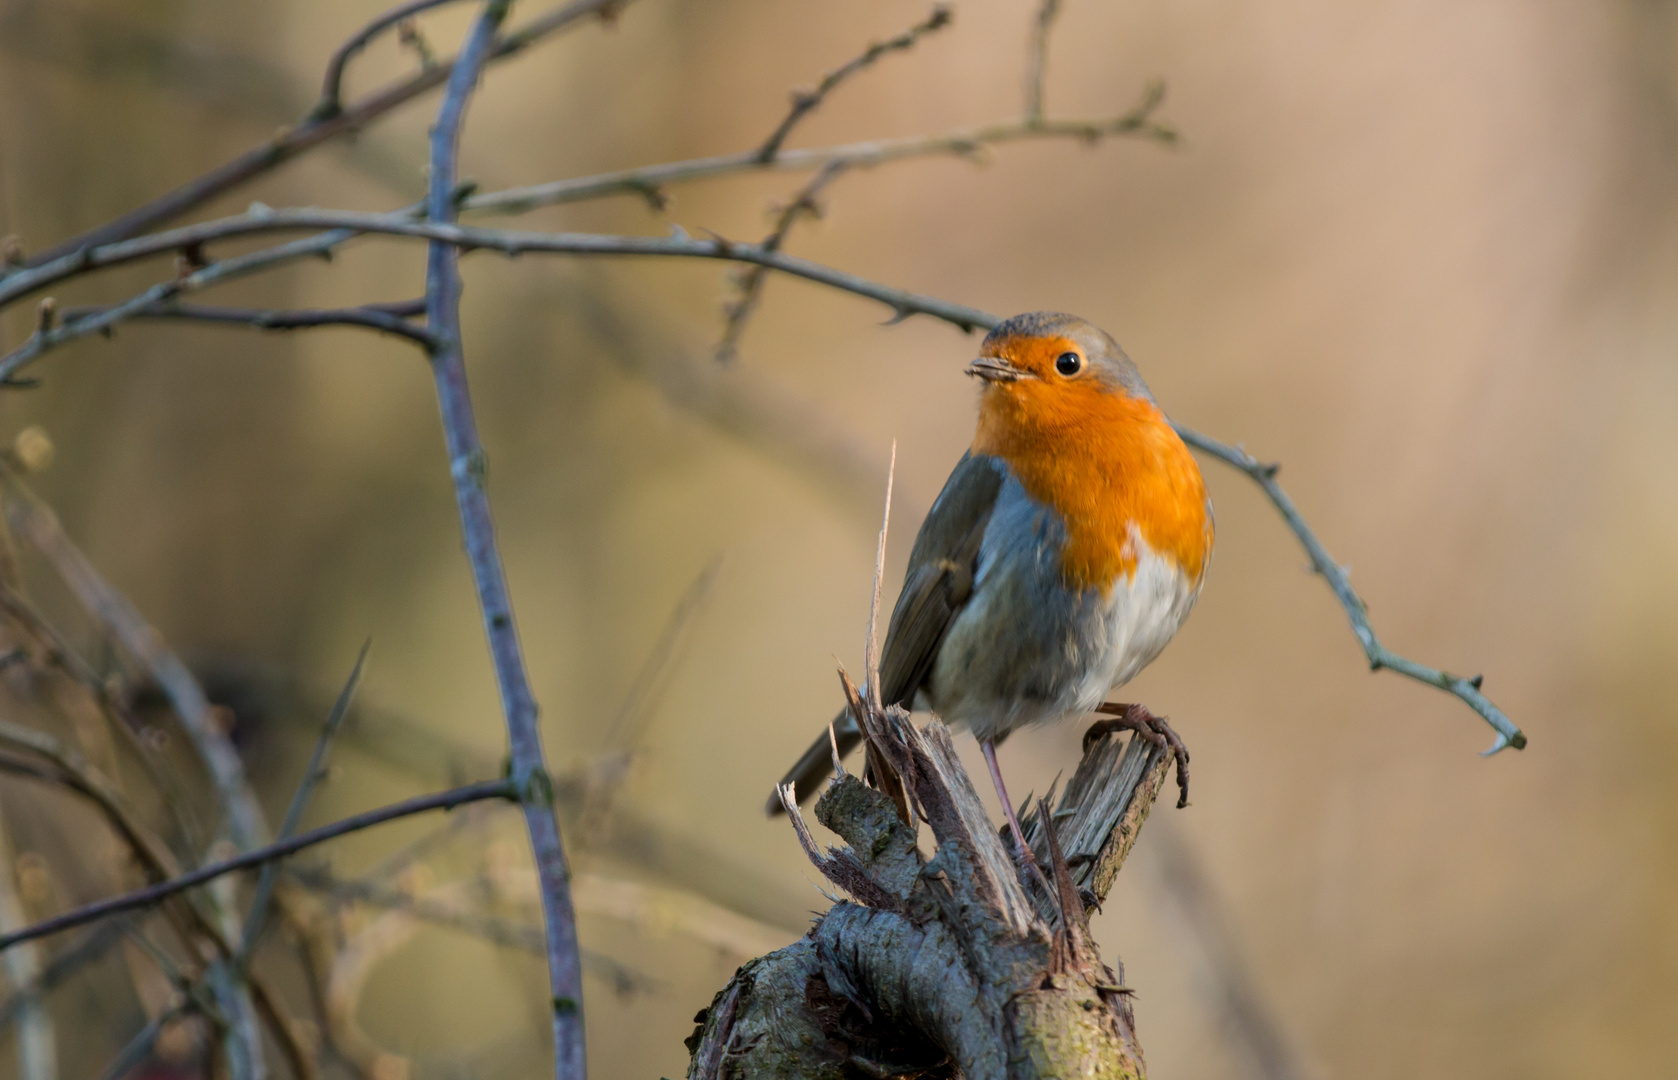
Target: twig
[[652, 909], [289, 144], [623, 731], [118, 716], [966, 143], [37, 1045], [313, 774], [806, 101], [440, 912], [89, 950], [331, 94], [965, 318], [751, 280], [1037, 60], [452, 236], [69, 769], [140, 1046], [1468, 689], [36, 521], [385, 318], [530, 779], [139, 898], [644, 181], [390, 898]]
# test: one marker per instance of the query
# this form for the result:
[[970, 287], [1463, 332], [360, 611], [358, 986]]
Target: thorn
[[657, 200], [45, 315], [11, 250], [1476, 681]]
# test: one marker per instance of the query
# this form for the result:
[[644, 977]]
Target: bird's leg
[[1027, 859], [1137, 718]]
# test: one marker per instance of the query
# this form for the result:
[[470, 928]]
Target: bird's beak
[[995, 369]]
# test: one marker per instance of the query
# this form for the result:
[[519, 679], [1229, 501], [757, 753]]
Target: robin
[[1064, 552]]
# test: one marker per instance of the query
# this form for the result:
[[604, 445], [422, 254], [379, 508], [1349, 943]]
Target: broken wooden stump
[[953, 965]]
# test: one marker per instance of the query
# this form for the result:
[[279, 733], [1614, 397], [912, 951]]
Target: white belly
[[1026, 651]]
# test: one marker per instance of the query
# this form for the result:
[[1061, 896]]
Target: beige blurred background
[[1423, 253]]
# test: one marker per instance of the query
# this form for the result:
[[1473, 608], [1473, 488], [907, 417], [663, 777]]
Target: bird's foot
[[1137, 718]]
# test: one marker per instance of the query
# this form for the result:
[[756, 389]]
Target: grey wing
[[940, 576]]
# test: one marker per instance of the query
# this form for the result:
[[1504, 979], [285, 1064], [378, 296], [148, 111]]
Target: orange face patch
[[1106, 461], [1034, 355]]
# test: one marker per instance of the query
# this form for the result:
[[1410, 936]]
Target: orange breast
[[1107, 462]]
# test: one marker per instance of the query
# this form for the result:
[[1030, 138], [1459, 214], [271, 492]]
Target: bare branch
[[506, 241], [803, 204], [331, 93], [312, 132], [37, 1040], [1468, 689], [70, 770], [385, 318], [967, 143], [140, 898], [438, 911], [34, 520], [641, 181], [140, 1046], [968, 319], [624, 730], [91, 948], [313, 773], [1037, 60], [529, 779], [806, 101]]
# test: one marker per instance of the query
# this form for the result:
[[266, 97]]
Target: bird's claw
[[1153, 728]]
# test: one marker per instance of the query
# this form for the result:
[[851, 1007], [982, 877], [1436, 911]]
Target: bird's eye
[[1069, 364]]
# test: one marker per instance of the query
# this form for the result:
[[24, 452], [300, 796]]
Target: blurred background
[[1421, 253]]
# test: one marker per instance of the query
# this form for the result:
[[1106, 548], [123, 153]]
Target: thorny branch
[[902, 302], [805, 102], [313, 131], [648, 181], [385, 318], [1037, 60], [141, 898], [332, 87], [803, 204], [1468, 689], [530, 780]]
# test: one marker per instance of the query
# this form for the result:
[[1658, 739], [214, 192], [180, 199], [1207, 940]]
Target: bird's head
[[1053, 365]]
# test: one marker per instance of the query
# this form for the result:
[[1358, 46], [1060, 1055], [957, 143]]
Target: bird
[[1065, 550]]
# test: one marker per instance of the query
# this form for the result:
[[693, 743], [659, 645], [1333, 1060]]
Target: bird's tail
[[817, 761]]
